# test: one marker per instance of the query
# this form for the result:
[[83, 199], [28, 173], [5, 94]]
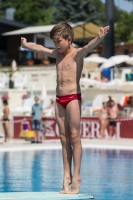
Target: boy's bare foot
[[66, 183], [75, 187]]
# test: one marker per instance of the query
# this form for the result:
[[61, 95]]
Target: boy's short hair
[[63, 30]]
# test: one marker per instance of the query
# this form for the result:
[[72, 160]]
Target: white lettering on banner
[[49, 129], [95, 129], [85, 128], [95, 126], [88, 129]]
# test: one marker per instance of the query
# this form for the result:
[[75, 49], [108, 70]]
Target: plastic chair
[[3, 80], [124, 72]]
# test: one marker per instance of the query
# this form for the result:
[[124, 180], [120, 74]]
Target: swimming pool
[[107, 174]]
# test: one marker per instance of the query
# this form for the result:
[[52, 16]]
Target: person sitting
[[25, 127]]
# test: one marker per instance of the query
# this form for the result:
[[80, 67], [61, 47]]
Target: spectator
[[25, 126], [103, 116], [43, 126], [113, 114], [107, 74], [51, 105], [5, 120], [36, 120]]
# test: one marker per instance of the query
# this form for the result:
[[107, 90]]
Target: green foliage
[[79, 10], [100, 8], [29, 11], [3, 6], [131, 38], [38, 12], [124, 28], [33, 12], [46, 17]]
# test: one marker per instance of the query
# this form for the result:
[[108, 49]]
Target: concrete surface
[[21, 144]]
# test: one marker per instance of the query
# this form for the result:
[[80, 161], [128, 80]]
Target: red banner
[[90, 128]]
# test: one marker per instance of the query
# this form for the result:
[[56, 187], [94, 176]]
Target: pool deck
[[21, 144], [43, 196]]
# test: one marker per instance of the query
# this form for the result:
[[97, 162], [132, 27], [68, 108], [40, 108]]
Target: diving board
[[43, 195]]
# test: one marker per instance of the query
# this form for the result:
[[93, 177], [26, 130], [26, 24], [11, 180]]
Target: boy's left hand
[[103, 31]]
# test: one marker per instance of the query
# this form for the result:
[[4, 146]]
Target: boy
[[69, 64]]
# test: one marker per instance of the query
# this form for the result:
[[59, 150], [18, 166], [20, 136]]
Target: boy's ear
[[69, 39]]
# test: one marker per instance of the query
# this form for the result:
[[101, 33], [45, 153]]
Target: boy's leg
[[60, 113], [73, 111]]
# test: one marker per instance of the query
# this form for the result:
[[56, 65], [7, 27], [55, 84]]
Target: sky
[[122, 4]]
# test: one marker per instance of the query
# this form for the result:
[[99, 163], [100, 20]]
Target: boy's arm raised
[[93, 43], [38, 48]]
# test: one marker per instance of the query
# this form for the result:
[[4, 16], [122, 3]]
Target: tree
[[34, 12], [30, 11], [79, 10], [124, 28], [100, 8], [3, 6]]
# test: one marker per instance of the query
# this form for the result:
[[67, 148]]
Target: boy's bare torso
[[69, 68]]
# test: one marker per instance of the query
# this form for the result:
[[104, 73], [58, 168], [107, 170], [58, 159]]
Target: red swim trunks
[[64, 100]]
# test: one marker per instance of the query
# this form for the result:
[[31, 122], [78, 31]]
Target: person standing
[[37, 112], [103, 117], [69, 65], [113, 114], [5, 121]]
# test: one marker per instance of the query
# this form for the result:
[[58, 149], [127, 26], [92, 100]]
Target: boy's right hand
[[23, 42]]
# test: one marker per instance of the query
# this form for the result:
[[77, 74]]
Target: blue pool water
[[106, 174]]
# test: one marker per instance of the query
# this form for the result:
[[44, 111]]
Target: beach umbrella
[[112, 85], [114, 60], [129, 61], [94, 59], [84, 30], [92, 62], [86, 82]]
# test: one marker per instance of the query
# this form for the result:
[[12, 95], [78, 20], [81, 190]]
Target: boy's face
[[62, 44]]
